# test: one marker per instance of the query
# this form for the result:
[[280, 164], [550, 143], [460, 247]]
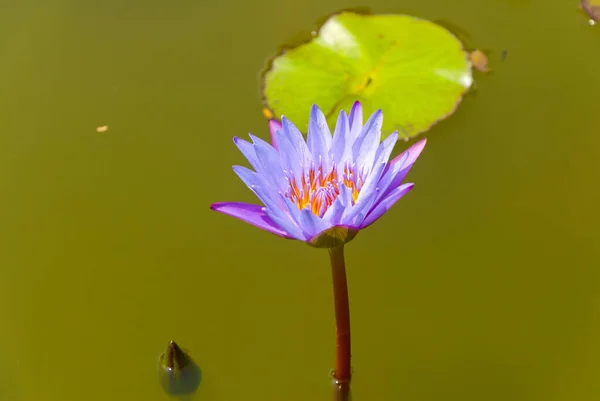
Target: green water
[[482, 284]]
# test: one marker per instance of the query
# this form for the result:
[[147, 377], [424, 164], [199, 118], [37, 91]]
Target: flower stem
[[342, 392], [342, 371]]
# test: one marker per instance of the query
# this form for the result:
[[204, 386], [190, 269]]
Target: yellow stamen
[[319, 191]]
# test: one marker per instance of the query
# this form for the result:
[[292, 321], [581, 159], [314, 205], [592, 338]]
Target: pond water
[[482, 284]]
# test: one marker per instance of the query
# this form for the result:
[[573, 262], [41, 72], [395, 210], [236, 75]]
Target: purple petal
[[288, 156], [297, 140], [334, 214], [380, 155], [413, 152], [290, 209], [390, 172], [341, 145], [371, 129], [270, 163], [356, 121], [277, 207], [254, 180], [247, 150], [274, 126], [386, 204], [311, 224], [370, 190], [252, 214], [354, 215], [369, 139], [399, 168], [318, 137], [287, 225], [257, 142], [276, 210]]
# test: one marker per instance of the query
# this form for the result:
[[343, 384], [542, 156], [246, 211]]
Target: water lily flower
[[324, 190]]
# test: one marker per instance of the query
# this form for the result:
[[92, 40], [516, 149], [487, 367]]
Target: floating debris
[[592, 9], [177, 372], [102, 128], [267, 113], [479, 60]]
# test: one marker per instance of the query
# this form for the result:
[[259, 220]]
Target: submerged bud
[[178, 373]]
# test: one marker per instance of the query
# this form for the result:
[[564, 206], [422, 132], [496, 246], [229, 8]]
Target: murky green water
[[482, 284]]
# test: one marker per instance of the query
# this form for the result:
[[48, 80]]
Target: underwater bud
[[178, 373]]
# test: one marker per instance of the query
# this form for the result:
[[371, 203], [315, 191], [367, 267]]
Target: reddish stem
[[342, 371]]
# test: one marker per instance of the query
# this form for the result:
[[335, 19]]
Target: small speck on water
[[102, 128]]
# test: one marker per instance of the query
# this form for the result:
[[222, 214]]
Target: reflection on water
[[482, 284]]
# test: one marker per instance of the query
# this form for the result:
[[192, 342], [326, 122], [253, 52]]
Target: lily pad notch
[[413, 69]]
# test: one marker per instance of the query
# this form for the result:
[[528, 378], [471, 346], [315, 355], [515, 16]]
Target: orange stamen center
[[319, 190]]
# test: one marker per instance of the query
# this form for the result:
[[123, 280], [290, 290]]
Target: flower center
[[318, 190]]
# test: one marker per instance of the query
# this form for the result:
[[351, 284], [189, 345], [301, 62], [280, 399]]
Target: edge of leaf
[[463, 93], [461, 96]]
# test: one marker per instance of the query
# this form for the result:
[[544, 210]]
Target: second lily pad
[[592, 8], [414, 70]]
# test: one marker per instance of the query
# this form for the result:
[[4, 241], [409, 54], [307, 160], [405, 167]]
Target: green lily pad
[[414, 70]]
